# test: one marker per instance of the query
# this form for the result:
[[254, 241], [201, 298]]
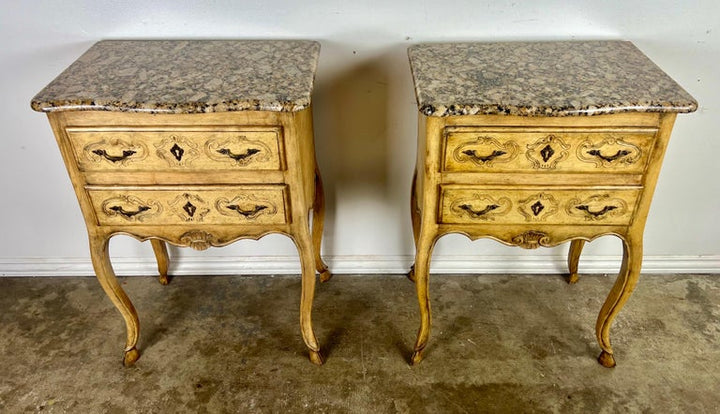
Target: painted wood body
[[195, 180], [537, 181]]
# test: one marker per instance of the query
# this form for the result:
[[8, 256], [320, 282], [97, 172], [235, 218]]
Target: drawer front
[[468, 205], [252, 205], [147, 149], [619, 150]]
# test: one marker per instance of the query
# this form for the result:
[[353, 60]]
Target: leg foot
[[416, 357], [411, 274], [163, 279], [316, 358], [573, 278], [325, 275], [130, 356], [606, 359]]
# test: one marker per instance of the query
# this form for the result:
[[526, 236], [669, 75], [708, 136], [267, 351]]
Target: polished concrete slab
[[500, 343]]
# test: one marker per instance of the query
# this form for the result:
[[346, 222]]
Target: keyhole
[[177, 152], [189, 208], [547, 152], [537, 208]]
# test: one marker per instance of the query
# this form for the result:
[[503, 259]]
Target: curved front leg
[[163, 260], [576, 247], [106, 276], [305, 251], [422, 276], [415, 217], [621, 291], [317, 227]]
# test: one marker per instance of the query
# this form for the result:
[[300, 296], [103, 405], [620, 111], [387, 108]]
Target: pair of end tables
[[202, 143]]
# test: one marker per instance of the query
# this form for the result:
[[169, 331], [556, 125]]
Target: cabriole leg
[[576, 247], [425, 246], [415, 217], [621, 291], [163, 260], [106, 276], [317, 227], [307, 261]]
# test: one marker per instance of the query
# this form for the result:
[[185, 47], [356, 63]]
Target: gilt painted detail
[[481, 207], [115, 151], [198, 240], [531, 239], [484, 151], [238, 150], [547, 152], [608, 153], [189, 207], [596, 208], [538, 207], [246, 207], [177, 151], [131, 208]]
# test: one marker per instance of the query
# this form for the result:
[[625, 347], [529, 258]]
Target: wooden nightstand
[[536, 144], [195, 143]]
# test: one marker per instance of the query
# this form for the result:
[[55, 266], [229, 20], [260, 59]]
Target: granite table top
[[541, 79], [186, 76]]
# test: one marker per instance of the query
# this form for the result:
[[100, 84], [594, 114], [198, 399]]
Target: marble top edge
[[186, 76], [541, 78]]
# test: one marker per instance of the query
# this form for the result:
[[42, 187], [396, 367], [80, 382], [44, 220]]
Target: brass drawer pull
[[599, 213], [246, 213], [238, 157], [473, 213], [114, 158], [619, 154], [126, 213], [486, 158]]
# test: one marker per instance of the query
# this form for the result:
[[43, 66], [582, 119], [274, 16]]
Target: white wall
[[365, 119]]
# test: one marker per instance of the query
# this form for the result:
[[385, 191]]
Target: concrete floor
[[500, 343]]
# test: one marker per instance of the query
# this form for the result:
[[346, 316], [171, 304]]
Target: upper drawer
[[179, 148], [515, 149]]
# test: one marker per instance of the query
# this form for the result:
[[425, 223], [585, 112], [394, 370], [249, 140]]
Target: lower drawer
[[477, 205], [250, 204]]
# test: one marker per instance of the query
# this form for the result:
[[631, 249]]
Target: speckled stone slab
[[186, 76], [541, 79]]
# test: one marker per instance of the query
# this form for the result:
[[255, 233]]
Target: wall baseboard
[[22, 267]]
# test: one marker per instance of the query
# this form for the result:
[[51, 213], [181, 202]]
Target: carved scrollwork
[[481, 207], [531, 239], [596, 208], [177, 151], [189, 207], [547, 152], [610, 152], [484, 151], [538, 207], [131, 208], [198, 240], [239, 150], [246, 207], [115, 151]]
